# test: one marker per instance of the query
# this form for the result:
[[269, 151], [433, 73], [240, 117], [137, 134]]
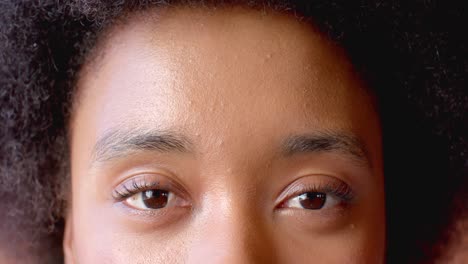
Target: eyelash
[[340, 190], [134, 187]]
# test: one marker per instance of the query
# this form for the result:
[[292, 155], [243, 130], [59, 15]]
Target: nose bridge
[[233, 231]]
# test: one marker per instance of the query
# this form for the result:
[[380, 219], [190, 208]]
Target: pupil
[[155, 199], [312, 200]]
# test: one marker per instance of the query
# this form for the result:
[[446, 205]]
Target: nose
[[231, 234]]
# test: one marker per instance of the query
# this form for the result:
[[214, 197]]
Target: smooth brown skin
[[236, 83]]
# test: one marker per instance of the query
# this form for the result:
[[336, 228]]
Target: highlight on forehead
[[163, 19], [155, 14]]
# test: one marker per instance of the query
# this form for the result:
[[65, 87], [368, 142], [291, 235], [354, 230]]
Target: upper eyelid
[[136, 187], [147, 181], [296, 188], [144, 182]]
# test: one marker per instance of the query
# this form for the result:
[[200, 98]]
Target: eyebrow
[[327, 142], [116, 144]]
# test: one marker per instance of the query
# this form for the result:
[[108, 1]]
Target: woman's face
[[223, 136]]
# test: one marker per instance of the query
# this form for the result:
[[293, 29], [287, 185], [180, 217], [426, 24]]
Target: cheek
[[99, 241], [356, 244]]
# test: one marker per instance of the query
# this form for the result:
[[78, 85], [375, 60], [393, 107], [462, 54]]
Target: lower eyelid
[[160, 217], [333, 213]]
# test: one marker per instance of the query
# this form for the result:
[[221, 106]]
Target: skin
[[249, 95]]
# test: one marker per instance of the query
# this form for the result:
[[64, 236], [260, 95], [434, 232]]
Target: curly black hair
[[413, 55]]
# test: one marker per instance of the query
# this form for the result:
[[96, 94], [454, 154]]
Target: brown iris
[[155, 199], [312, 200]]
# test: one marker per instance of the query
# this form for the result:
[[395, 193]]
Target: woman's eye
[[151, 199], [312, 201]]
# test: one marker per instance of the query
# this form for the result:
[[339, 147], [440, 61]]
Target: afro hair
[[413, 54]]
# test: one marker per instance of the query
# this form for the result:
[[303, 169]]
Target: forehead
[[234, 70]]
